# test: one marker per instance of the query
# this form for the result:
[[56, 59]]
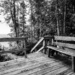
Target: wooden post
[[49, 51], [25, 48], [45, 46], [73, 64], [64, 22], [57, 17]]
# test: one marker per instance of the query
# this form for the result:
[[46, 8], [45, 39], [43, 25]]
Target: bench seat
[[66, 51]]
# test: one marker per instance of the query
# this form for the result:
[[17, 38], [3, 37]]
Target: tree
[[13, 9], [41, 17]]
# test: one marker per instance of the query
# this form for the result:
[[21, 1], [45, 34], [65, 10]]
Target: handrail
[[37, 44], [40, 49], [12, 39], [44, 43], [1, 52]]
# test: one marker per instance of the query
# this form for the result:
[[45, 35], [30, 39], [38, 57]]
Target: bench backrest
[[64, 41]]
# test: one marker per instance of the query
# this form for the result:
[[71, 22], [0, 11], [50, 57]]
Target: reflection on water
[[5, 44]]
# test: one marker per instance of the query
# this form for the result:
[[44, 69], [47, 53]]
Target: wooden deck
[[35, 64]]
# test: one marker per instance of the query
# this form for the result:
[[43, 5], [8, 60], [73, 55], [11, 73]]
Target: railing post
[[73, 64], [25, 48], [50, 42], [49, 51], [45, 46]]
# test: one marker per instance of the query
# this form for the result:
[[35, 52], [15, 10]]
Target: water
[[5, 44]]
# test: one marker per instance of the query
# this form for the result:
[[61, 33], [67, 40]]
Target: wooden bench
[[64, 45]]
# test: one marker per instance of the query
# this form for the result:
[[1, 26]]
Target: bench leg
[[57, 53], [73, 64], [49, 52], [45, 50], [52, 52]]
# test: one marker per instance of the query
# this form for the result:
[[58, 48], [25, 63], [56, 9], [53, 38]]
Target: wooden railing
[[40, 41], [44, 41], [14, 39]]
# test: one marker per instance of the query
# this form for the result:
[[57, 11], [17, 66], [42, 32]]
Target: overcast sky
[[4, 28]]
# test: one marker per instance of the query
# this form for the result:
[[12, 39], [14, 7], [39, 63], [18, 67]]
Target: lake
[[5, 44]]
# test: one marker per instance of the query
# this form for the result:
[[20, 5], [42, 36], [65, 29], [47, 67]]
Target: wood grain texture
[[11, 39], [37, 44], [67, 45], [64, 38], [39, 64], [64, 51]]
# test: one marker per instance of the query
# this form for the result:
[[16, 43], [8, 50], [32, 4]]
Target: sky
[[4, 27]]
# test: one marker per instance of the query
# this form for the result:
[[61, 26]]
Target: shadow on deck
[[35, 64]]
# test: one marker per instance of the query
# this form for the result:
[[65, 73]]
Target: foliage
[[45, 15], [15, 12], [43, 19]]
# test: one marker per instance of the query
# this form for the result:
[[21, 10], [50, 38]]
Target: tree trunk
[[64, 17], [57, 17], [14, 19]]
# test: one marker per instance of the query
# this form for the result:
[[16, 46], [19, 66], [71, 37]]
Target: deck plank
[[25, 63], [68, 72], [39, 69], [58, 71], [29, 64], [27, 67], [35, 64], [44, 70]]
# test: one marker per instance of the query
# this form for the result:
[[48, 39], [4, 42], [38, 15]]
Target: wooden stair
[[35, 64]]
